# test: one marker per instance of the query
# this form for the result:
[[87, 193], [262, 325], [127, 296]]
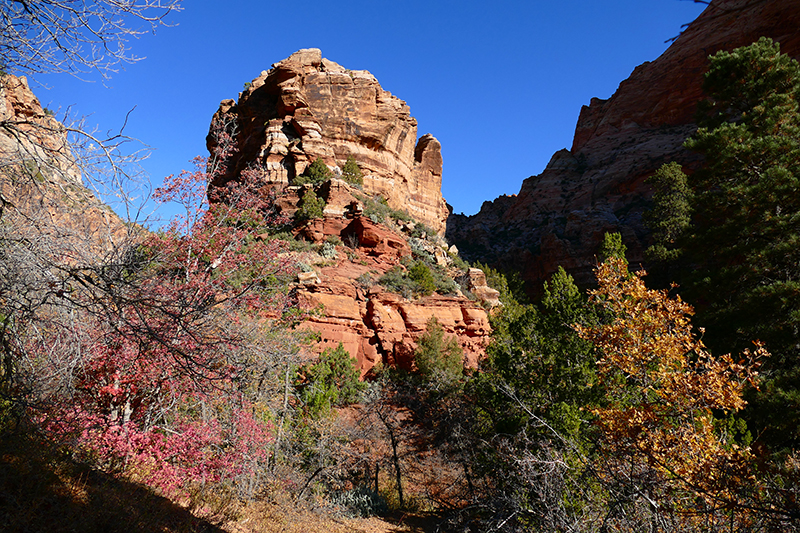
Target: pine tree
[[671, 214], [741, 254], [315, 174], [351, 173]]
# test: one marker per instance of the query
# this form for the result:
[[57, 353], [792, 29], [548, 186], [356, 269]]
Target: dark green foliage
[[438, 358], [671, 213], [612, 247], [331, 381], [421, 275], [418, 279], [311, 206], [741, 255], [421, 231], [538, 360], [315, 174], [351, 173]]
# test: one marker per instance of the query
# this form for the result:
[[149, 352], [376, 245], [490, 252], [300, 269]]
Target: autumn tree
[[661, 439], [75, 37]]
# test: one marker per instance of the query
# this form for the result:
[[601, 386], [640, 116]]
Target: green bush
[[331, 381], [396, 280], [351, 173], [438, 358], [315, 174], [418, 279], [421, 275], [311, 206]]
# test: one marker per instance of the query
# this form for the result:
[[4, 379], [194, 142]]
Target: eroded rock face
[[376, 326], [307, 107], [41, 192], [560, 216]]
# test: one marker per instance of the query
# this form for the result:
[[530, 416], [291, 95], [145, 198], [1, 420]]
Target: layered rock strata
[[375, 325], [560, 216], [307, 107]]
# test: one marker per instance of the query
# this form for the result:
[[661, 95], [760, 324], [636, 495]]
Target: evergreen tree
[[742, 251], [311, 206], [438, 357], [537, 359], [612, 247], [315, 173], [671, 214], [351, 173], [331, 381]]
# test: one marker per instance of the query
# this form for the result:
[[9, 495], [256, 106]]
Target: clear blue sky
[[500, 83]]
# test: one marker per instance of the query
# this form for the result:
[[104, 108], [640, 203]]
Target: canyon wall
[[42, 196], [559, 217]]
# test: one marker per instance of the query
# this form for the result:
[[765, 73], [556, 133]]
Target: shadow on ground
[[41, 491]]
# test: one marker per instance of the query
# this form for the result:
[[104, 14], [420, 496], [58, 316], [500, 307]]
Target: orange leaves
[[663, 386]]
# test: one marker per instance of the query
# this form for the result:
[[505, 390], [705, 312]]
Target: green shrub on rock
[[311, 206], [351, 173], [316, 173]]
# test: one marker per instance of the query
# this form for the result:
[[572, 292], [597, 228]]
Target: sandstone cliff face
[[559, 217], [373, 324], [41, 192], [307, 107]]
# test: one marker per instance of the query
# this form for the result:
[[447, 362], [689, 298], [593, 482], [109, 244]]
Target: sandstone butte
[[307, 107], [560, 216]]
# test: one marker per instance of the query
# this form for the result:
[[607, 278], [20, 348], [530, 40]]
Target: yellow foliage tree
[[662, 390]]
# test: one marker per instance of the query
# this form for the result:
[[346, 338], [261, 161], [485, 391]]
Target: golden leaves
[[663, 386]]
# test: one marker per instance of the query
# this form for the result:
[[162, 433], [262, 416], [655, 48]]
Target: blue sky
[[500, 83]]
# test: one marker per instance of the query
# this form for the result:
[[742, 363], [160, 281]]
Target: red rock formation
[[559, 217], [40, 182], [376, 326], [307, 107]]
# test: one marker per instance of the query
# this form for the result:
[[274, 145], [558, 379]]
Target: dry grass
[[284, 518]]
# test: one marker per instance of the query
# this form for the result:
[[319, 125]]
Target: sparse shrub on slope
[[316, 173]]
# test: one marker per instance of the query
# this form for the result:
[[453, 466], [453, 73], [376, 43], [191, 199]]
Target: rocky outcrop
[[559, 217], [340, 286], [375, 325], [307, 107], [41, 192]]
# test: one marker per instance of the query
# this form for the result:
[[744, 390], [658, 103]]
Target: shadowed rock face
[[307, 107], [559, 217]]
